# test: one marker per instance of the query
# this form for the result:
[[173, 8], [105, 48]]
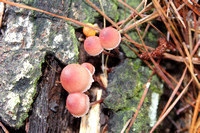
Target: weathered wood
[[49, 113]]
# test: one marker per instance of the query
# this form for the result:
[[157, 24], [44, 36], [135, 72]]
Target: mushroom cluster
[[76, 79], [109, 38]]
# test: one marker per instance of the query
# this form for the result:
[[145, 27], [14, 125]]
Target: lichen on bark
[[29, 36], [23, 48]]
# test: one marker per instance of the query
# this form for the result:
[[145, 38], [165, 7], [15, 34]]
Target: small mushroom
[[93, 46], [76, 78], [110, 38], [89, 66], [88, 31], [78, 104]]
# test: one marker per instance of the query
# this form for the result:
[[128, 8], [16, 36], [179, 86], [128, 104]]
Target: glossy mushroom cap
[[88, 31], [93, 46], [78, 104], [110, 38], [89, 66], [76, 78]]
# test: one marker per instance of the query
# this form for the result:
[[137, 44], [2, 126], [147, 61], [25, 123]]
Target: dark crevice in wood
[[49, 113]]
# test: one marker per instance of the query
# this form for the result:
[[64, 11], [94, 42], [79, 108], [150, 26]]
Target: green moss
[[114, 11], [39, 68], [128, 52], [21, 120], [132, 3], [156, 85], [90, 16], [150, 36], [75, 44], [28, 2], [125, 91]]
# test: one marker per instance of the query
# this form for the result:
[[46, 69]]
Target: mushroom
[[93, 46], [89, 66], [110, 38], [77, 104], [76, 78], [88, 31]]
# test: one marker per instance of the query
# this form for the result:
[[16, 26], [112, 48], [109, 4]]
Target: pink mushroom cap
[[78, 104], [93, 46], [76, 78], [89, 66], [110, 38]]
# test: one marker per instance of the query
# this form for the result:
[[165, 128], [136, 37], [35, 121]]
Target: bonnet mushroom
[[89, 66], [89, 31], [93, 46], [110, 38], [77, 104], [76, 78]]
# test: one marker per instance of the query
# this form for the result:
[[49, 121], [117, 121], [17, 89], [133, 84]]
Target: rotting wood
[[49, 113]]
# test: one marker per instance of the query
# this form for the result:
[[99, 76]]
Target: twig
[[105, 16], [156, 65], [141, 21], [174, 91], [167, 22], [174, 123], [176, 12], [125, 126], [195, 113], [171, 107], [180, 58], [2, 8], [39, 10], [194, 7], [125, 4], [190, 66], [183, 108], [4, 128], [141, 102]]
